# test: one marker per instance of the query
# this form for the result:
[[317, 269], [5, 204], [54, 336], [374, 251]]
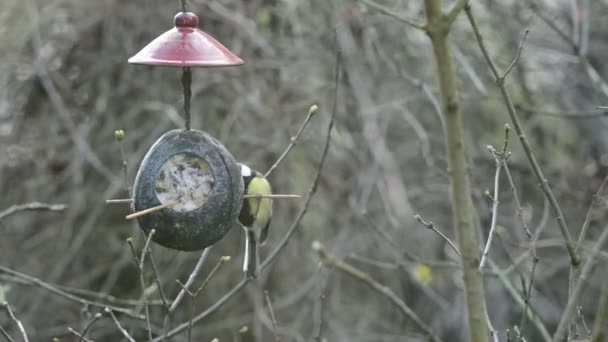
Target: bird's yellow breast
[[260, 208]]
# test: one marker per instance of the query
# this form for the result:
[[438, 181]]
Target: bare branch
[[14, 209], [591, 71], [486, 250], [544, 184], [6, 335], [578, 289], [191, 279], [221, 261], [594, 202], [565, 115], [139, 264], [294, 140], [391, 13], [273, 318], [431, 226], [455, 10], [11, 314], [517, 298], [517, 55], [600, 327], [79, 335], [120, 328], [158, 282], [62, 293], [82, 336], [182, 292], [330, 261], [537, 10]]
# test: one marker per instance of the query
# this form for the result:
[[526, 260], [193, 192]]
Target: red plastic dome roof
[[185, 46]]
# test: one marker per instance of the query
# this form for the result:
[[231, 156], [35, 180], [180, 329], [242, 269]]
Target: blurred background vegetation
[[65, 86]]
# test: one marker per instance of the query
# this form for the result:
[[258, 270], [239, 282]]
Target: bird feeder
[[188, 184]]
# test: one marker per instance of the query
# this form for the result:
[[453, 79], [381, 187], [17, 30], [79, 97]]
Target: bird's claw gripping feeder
[[189, 176]]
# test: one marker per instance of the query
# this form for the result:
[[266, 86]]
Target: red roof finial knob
[[185, 20]]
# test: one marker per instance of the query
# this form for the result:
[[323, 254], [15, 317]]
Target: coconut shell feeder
[[188, 187]]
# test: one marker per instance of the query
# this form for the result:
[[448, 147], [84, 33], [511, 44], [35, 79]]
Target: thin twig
[[221, 261], [294, 140], [149, 210], [6, 335], [594, 202], [515, 295], [544, 184], [575, 293], [191, 279], [76, 291], [119, 135], [517, 55], [600, 327], [432, 227], [158, 281], [402, 253], [62, 293], [79, 335], [541, 14], [82, 335], [14, 209], [330, 261], [527, 291], [387, 11], [453, 12], [564, 115], [520, 210], [499, 156], [272, 317], [11, 314], [493, 331], [581, 318], [486, 250], [322, 295], [591, 71], [120, 328], [182, 292], [139, 264]]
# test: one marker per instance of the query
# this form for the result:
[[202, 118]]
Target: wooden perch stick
[[149, 210], [119, 201], [279, 196]]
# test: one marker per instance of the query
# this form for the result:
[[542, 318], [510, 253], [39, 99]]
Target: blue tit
[[255, 217]]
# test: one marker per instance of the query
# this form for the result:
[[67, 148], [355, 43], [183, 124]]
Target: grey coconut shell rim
[[202, 226]]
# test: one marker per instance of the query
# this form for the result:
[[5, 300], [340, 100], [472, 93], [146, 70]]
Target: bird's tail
[[251, 264]]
